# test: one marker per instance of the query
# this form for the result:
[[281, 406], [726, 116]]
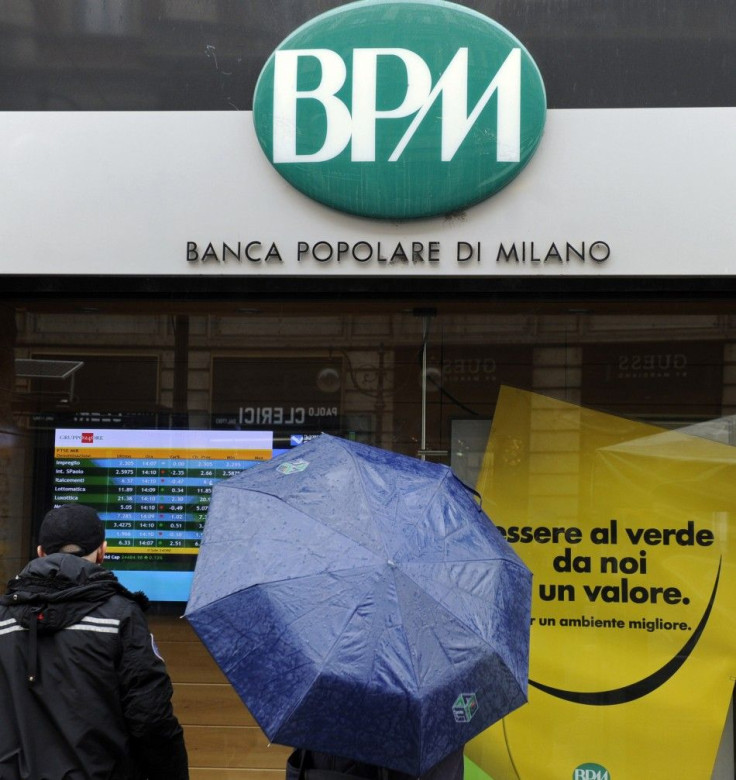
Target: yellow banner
[[629, 532]]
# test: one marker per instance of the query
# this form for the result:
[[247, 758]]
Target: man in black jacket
[[84, 694]]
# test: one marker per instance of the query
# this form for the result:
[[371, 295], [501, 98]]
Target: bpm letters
[[359, 127]]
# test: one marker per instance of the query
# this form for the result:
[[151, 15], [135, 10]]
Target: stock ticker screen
[[152, 489]]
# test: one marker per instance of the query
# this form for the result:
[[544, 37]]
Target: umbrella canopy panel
[[361, 604]]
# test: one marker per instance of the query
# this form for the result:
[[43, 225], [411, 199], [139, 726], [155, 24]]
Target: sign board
[[609, 193]]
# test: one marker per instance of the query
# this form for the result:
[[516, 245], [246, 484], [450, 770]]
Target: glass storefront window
[[421, 382]]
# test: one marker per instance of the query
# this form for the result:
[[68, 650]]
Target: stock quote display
[[152, 489]]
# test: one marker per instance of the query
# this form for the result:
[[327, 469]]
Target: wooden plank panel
[[223, 740], [233, 747], [210, 705], [171, 629], [189, 662]]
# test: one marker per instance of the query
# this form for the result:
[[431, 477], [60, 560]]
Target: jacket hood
[[58, 590]]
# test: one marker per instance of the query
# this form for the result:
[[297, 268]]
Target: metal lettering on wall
[[407, 253]]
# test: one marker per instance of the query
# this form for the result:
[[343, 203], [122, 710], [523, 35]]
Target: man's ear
[[101, 550], [40, 552]]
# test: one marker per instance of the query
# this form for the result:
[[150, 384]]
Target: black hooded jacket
[[83, 692]]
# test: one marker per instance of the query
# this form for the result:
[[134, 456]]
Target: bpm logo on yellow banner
[[591, 772]]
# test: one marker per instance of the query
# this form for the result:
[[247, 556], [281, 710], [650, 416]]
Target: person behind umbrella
[[312, 765], [83, 691]]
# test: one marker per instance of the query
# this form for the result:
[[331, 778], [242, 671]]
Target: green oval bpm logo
[[400, 109], [591, 772]]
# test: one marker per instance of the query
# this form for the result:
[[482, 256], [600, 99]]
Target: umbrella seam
[[208, 604], [320, 670], [411, 657], [359, 472], [440, 604], [301, 511]]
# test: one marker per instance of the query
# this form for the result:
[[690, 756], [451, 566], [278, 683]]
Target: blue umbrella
[[362, 604]]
